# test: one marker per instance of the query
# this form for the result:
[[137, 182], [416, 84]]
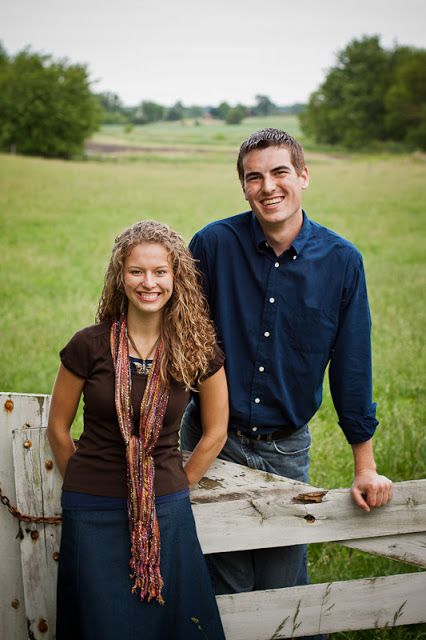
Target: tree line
[[372, 95], [115, 112], [47, 107]]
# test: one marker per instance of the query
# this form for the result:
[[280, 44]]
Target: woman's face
[[148, 278]]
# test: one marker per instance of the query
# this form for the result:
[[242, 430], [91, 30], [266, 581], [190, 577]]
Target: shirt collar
[[298, 243], [257, 233], [303, 236]]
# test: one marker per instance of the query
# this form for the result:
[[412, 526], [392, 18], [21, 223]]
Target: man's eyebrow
[[282, 166]]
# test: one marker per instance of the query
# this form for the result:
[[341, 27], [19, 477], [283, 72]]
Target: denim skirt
[[94, 588]]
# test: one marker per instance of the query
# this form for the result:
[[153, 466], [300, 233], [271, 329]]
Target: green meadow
[[59, 220]]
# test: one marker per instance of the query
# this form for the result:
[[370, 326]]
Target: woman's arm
[[63, 407], [214, 419]]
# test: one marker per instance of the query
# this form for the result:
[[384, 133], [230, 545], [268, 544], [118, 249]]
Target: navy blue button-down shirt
[[281, 320]]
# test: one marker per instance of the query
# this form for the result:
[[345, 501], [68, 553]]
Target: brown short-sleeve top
[[98, 467]]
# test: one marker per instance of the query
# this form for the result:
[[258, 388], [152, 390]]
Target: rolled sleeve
[[350, 371]]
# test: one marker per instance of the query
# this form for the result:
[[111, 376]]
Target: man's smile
[[272, 201]]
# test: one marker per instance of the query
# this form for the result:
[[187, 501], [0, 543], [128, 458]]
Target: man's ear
[[304, 178]]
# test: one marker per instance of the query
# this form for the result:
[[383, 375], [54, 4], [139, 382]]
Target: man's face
[[272, 186]]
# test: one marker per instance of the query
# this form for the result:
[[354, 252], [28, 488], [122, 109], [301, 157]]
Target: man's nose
[[268, 184]]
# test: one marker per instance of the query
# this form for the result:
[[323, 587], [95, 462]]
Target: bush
[[46, 107]]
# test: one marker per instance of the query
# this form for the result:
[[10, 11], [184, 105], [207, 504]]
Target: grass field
[[58, 222], [195, 133]]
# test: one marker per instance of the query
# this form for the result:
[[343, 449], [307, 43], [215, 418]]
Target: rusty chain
[[24, 517], [31, 635]]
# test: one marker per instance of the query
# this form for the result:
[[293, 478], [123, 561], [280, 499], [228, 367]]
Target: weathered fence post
[[38, 484], [18, 412]]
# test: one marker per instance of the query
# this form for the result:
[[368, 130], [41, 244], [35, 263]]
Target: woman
[[130, 562]]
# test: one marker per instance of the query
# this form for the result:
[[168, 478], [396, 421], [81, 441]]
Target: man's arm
[[369, 489], [351, 388]]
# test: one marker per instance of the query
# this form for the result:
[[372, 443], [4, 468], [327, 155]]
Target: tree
[[348, 107], [264, 106], [371, 95], [152, 111], [236, 114], [46, 107], [195, 111], [405, 100], [223, 110], [176, 112], [113, 110]]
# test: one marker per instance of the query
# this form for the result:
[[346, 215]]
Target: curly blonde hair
[[187, 330]]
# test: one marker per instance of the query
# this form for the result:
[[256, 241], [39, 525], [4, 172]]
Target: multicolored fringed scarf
[[143, 523]]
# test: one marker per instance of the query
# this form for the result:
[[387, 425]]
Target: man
[[288, 296]]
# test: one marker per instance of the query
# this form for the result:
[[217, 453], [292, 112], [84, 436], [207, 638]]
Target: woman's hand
[[214, 419], [63, 407]]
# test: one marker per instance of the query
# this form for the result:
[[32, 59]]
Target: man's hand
[[369, 489]]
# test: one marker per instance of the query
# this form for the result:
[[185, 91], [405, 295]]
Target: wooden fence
[[235, 508]]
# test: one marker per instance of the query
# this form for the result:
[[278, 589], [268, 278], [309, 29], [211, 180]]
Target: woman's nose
[[148, 280]]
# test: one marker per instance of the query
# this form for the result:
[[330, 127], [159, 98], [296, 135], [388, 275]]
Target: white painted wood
[[248, 509], [409, 548], [227, 480], [15, 411], [38, 493], [275, 520], [324, 608]]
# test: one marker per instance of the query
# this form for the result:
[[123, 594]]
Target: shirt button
[[254, 428], [257, 400], [266, 334], [294, 257], [261, 369], [271, 300], [277, 264]]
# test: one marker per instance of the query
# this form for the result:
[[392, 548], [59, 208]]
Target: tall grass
[[58, 222]]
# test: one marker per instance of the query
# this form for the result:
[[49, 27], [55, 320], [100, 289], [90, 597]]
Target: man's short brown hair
[[271, 138]]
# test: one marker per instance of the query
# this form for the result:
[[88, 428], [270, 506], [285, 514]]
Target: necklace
[[142, 368]]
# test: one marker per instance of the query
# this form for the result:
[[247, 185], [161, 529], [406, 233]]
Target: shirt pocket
[[310, 330]]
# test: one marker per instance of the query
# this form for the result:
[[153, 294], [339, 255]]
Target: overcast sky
[[203, 52]]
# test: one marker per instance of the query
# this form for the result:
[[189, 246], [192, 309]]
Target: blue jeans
[[257, 569]]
